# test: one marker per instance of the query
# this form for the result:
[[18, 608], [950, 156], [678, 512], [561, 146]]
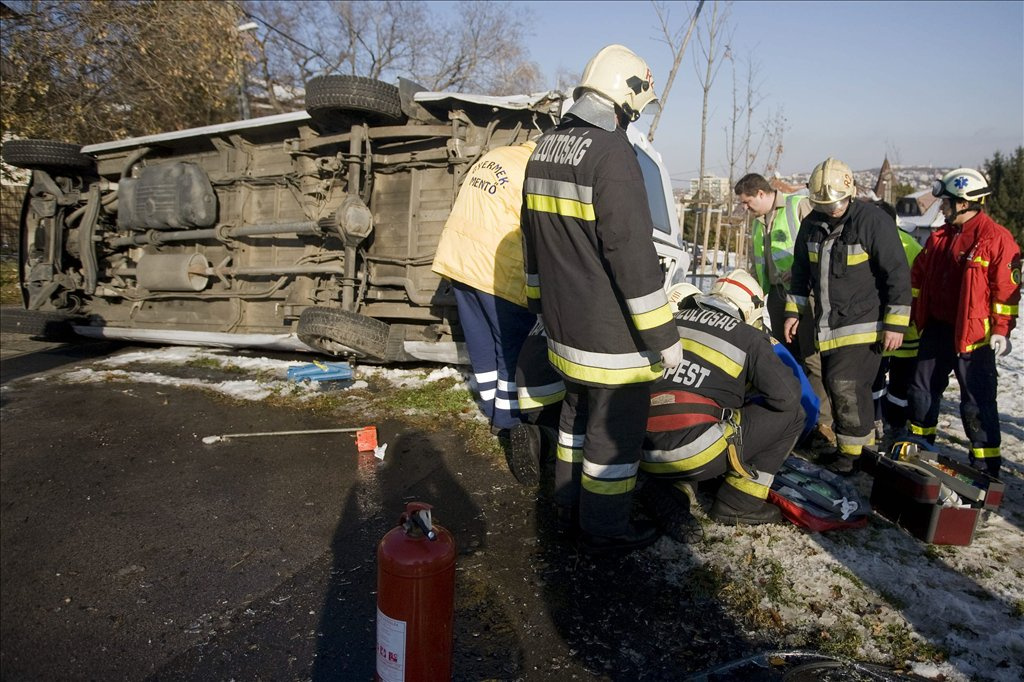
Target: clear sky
[[928, 83]]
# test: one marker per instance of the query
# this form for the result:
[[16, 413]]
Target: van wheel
[[340, 101], [340, 332], [47, 155]]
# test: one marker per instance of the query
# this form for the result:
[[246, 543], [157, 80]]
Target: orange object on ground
[[366, 438]]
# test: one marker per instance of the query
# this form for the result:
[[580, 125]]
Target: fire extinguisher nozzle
[[424, 525]]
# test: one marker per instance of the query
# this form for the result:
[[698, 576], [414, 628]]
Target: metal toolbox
[[912, 495]]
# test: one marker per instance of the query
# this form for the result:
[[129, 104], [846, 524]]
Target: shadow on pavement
[[26, 355], [414, 469]]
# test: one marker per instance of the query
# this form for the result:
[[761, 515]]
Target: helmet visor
[[829, 208]]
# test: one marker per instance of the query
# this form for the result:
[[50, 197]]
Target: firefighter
[[849, 258], [593, 273], [897, 367], [967, 282], [481, 252], [730, 409]]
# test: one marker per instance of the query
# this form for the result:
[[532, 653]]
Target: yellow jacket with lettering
[[481, 245]]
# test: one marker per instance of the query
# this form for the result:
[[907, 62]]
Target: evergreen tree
[[1006, 205]]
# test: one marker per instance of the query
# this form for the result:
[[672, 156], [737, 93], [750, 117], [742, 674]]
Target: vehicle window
[[908, 207], [655, 191]]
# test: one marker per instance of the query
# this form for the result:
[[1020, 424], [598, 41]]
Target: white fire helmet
[[741, 290], [831, 182], [965, 184], [617, 73], [677, 293]]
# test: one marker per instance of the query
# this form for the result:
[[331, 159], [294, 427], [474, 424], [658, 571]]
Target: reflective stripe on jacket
[[591, 267], [912, 338], [858, 273], [785, 224], [481, 245], [725, 363], [990, 285]]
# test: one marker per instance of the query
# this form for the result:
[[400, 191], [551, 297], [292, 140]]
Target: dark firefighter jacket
[[725, 364], [858, 273], [591, 267]]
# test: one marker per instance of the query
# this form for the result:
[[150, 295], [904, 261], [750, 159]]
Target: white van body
[[312, 230]]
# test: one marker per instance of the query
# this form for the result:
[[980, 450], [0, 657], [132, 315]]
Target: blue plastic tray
[[321, 371]]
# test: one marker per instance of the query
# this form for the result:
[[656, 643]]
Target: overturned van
[[313, 230]]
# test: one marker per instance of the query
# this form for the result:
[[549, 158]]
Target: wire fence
[[11, 197], [718, 240]]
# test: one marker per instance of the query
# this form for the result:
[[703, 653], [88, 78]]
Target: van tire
[[47, 155], [340, 101], [341, 332]]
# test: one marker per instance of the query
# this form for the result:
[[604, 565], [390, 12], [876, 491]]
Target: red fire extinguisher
[[415, 599]]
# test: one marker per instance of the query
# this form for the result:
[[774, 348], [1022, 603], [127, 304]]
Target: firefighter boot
[[640, 534], [756, 513], [988, 465], [669, 505], [524, 452], [844, 465]]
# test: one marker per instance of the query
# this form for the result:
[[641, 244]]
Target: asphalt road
[[131, 550]]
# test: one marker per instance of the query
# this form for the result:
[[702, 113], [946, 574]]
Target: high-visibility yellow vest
[[782, 236]]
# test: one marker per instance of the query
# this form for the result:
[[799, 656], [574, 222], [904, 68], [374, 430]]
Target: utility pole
[[244, 111]]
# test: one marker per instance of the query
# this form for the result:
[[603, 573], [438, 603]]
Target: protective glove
[[1000, 344], [672, 356]]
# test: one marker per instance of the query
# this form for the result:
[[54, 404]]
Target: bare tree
[[741, 150], [291, 46], [678, 48], [92, 71], [480, 49], [566, 80], [712, 45], [774, 132], [892, 152], [732, 152], [753, 100]]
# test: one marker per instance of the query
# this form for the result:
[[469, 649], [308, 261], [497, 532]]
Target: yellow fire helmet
[[831, 182]]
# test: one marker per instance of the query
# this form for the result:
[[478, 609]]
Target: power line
[[288, 37], [284, 35]]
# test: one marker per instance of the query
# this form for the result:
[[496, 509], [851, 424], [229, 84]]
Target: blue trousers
[[976, 374], [495, 330]]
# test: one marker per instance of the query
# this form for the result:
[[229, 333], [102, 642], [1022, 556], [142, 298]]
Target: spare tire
[[340, 101], [47, 155], [344, 333]]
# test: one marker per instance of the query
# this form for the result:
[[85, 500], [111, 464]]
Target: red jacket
[[989, 285]]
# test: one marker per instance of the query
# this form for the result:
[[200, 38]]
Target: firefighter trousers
[[600, 437], [849, 372], [976, 374], [802, 347], [890, 389], [767, 438], [495, 330]]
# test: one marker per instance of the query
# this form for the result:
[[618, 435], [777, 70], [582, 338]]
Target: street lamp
[[243, 99]]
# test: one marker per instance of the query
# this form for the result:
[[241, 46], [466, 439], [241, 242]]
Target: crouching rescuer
[[730, 409]]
